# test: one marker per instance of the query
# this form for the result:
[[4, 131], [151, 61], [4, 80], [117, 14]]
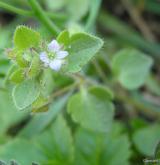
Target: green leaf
[[82, 48], [9, 116], [157, 151], [41, 121], [4, 65], [25, 38], [52, 147], [131, 68], [91, 111], [146, 139], [40, 104], [55, 5], [34, 67], [64, 38], [56, 143], [77, 9], [153, 85], [17, 150], [25, 93], [17, 76], [20, 59], [47, 82], [102, 92], [100, 149]]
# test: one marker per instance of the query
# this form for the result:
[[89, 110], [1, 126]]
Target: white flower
[[55, 56]]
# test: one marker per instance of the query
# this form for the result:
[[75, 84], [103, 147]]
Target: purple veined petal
[[54, 46], [44, 58], [56, 64], [62, 54]]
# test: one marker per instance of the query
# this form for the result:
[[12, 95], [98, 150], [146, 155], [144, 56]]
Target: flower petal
[[56, 64], [44, 58], [62, 54], [54, 46]]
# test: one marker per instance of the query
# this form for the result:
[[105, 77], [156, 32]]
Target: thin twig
[[138, 20]]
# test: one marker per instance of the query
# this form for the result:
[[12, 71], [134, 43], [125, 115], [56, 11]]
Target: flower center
[[51, 55]]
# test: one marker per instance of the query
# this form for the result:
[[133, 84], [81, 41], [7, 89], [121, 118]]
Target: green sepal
[[20, 60], [34, 68]]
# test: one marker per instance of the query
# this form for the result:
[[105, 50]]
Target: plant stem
[[28, 13], [63, 90], [99, 70], [41, 15], [15, 9], [95, 5]]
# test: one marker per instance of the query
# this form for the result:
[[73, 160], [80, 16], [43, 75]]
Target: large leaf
[[52, 147], [82, 48], [91, 111], [9, 114], [98, 149], [131, 68], [146, 139], [25, 93], [22, 151], [56, 143], [25, 38], [41, 120]]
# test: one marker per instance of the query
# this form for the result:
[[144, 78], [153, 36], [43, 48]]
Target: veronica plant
[[58, 80]]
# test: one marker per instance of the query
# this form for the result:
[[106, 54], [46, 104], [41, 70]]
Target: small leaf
[[91, 111], [25, 38], [102, 92], [25, 93], [146, 139], [131, 68], [82, 48], [17, 76], [64, 38]]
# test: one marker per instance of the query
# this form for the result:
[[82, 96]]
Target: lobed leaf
[[101, 149], [25, 38], [88, 109]]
